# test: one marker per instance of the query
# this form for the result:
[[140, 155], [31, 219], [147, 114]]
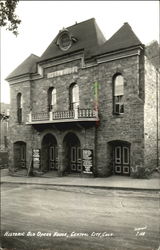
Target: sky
[[42, 20]]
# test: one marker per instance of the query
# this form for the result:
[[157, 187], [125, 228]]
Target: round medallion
[[64, 41]]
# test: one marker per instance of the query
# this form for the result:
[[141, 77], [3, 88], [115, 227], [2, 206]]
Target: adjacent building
[[86, 105], [4, 119]]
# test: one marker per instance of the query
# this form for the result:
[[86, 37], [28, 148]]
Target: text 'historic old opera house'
[[87, 105]]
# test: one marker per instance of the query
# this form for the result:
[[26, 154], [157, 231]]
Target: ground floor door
[[53, 158], [49, 153], [20, 154], [75, 157], [72, 153], [122, 159]]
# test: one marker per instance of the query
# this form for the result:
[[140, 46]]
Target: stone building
[[86, 105]]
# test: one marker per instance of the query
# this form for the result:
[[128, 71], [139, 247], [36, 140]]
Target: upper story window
[[74, 96], [19, 107], [51, 99], [118, 94]]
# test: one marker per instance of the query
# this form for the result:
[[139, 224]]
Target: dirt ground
[[67, 218]]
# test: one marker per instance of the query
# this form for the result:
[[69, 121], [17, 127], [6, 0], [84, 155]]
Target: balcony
[[63, 116]]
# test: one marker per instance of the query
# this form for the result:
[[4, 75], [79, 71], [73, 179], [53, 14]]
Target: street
[[74, 218]]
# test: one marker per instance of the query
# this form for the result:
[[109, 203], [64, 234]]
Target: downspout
[[30, 161], [157, 115], [95, 172], [96, 108]]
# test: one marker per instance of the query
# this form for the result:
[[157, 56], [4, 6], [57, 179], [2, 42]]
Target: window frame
[[73, 104], [118, 100], [51, 105], [19, 108]]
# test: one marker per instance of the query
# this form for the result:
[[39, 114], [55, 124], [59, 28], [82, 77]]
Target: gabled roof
[[88, 36], [26, 67], [89, 39], [123, 38]]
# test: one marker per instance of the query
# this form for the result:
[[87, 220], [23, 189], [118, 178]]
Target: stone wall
[[86, 137], [150, 115], [61, 83], [20, 132], [129, 127]]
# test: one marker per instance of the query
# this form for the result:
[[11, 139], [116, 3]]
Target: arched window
[[51, 99], [74, 96], [118, 94], [19, 107]]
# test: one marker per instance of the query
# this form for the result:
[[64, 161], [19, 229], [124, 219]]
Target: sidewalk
[[112, 182]]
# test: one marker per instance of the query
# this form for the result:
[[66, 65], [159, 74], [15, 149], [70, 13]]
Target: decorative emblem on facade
[[65, 40]]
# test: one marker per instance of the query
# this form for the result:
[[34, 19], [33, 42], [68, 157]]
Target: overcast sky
[[42, 20]]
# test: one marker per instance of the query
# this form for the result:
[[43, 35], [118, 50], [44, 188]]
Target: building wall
[[83, 78], [138, 120], [61, 83], [150, 115], [127, 127], [20, 132]]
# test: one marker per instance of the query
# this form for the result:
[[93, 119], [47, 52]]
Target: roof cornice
[[17, 79], [112, 56], [141, 46]]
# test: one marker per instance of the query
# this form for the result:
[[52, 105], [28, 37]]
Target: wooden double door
[[75, 159], [122, 159], [49, 153], [20, 155], [72, 153]]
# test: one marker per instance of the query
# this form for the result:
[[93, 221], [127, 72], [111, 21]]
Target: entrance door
[[53, 158], [20, 154], [76, 165], [122, 160], [49, 153], [72, 153]]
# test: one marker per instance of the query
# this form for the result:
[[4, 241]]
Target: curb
[[85, 186]]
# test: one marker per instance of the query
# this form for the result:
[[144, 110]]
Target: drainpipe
[[157, 115]]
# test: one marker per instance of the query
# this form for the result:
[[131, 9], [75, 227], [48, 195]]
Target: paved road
[[60, 218]]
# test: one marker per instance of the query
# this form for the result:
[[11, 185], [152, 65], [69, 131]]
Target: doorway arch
[[49, 153], [72, 153]]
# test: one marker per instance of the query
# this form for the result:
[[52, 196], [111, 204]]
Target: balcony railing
[[63, 116], [40, 116]]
